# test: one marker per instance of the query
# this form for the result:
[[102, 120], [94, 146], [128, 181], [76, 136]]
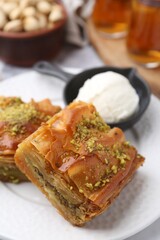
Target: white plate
[[25, 214]]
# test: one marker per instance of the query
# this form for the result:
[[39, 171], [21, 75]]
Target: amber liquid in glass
[[112, 16], [144, 35]]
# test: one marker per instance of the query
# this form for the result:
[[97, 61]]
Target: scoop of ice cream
[[112, 94]]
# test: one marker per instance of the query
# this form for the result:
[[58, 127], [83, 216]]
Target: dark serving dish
[[75, 82], [26, 48]]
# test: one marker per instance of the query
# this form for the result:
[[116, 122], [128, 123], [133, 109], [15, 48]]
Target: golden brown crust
[[94, 160], [17, 121]]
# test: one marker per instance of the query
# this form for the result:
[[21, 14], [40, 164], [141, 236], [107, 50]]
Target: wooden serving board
[[114, 53]]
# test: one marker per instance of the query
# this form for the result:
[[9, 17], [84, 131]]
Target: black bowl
[[141, 87], [75, 82]]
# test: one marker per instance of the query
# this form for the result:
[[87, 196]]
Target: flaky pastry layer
[[17, 121], [78, 162]]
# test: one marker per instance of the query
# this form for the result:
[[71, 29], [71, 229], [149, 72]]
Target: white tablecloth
[[82, 58]]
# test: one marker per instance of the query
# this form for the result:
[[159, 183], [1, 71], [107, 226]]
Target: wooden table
[[114, 52]]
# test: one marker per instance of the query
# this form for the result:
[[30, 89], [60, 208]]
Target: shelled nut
[[7, 7], [15, 13], [42, 19], [29, 11], [44, 7], [3, 19], [13, 26], [56, 14], [31, 24], [29, 15]]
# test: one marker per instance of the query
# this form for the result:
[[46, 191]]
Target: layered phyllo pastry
[[17, 121], [78, 162]]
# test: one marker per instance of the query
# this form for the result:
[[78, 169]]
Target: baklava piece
[[78, 162], [17, 121]]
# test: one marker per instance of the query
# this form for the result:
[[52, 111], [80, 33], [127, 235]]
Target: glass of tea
[[111, 17], [143, 39]]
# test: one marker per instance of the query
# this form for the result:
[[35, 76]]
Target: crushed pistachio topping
[[23, 112], [80, 190], [76, 145], [6, 102], [127, 144], [115, 147], [17, 114], [91, 144], [15, 180], [87, 129], [99, 147], [108, 171], [89, 132], [111, 170], [121, 156], [114, 169], [106, 180], [90, 186], [97, 185], [122, 162], [106, 160]]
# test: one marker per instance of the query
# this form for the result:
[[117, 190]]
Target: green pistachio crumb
[[128, 157], [99, 147], [108, 171], [12, 177], [114, 169], [122, 162], [76, 144], [15, 181], [80, 190], [89, 185], [105, 181], [106, 160], [86, 130], [114, 147], [17, 114], [97, 184], [121, 155], [127, 144], [72, 141], [91, 144]]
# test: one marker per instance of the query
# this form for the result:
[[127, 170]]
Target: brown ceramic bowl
[[26, 48]]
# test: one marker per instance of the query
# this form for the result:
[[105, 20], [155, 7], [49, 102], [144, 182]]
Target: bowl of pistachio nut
[[31, 30]]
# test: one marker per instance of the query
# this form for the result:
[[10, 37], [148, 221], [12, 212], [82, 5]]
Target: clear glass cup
[[143, 39], [111, 17]]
